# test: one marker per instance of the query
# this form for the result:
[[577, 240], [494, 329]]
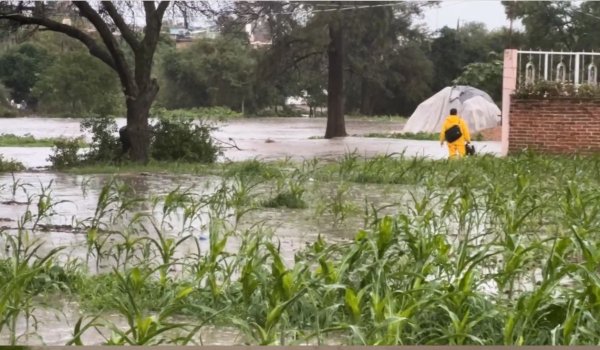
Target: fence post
[[576, 80], [546, 67], [509, 84]]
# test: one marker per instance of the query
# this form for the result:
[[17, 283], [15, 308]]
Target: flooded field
[[344, 249], [75, 201], [262, 138]]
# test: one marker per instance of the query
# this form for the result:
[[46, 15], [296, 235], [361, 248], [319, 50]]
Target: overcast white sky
[[490, 12]]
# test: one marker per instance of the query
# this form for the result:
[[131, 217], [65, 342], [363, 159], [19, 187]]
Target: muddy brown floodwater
[[263, 138]]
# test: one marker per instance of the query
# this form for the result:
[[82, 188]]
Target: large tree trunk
[[138, 129], [336, 125]]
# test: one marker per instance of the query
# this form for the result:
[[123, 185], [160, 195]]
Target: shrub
[[105, 144], [65, 153], [180, 138], [282, 111], [545, 89], [175, 138], [10, 165], [285, 199], [213, 113], [7, 112]]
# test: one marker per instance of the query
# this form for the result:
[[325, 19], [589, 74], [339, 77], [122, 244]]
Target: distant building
[[259, 33], [204, 33], [184, 37], [180, 34]]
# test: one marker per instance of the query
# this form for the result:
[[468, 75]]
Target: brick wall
[[563, 125]]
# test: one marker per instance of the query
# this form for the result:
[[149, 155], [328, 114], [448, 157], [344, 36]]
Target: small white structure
[[475, 106]]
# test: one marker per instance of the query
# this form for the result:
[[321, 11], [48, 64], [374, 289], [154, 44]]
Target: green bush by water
[[10, 165], [183, 140], [176, 138]]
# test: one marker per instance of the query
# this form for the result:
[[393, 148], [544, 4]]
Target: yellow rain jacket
[[456, 148]]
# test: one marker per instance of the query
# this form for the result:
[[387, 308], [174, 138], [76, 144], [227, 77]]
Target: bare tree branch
[[93, 47], [109, 40], [127, 33], [162, 7], [154, 18], [303, 57]]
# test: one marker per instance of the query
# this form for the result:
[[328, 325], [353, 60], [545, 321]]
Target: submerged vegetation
[[28, 140], [485, 251], [176, 136], [10, 165]]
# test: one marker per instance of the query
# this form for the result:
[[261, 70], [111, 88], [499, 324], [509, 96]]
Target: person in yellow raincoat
[[456, 148]]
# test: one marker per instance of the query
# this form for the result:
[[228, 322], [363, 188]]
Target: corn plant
[[17, 289]]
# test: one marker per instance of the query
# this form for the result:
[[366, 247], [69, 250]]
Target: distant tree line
[[390, 65]]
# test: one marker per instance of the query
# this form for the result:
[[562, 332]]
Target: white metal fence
[[568, 67]]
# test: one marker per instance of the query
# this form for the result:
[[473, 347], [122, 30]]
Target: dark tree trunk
[[336, 125], [138, 129]]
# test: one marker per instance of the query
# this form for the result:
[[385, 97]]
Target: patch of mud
[[13, 202], [60, 228]]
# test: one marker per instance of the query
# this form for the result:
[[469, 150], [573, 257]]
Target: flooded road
[[262, 138]]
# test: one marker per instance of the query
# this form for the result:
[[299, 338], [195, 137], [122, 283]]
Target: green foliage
[[215, 72], [20, 68], [27, 140], [65, 153], [210, 113], [283, 111], [10, 165], [77, 84], [556, 26], [467, 54], [548, 26], [486, 76], [285, 199], [252, 168], [179, 138], [553, 89], [389, 75], [482, 251], [105, 145], [289, 192], [104, 148], [4, 95], [7, 112]]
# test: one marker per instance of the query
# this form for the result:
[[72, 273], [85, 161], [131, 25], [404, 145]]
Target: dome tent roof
[[475, 106]]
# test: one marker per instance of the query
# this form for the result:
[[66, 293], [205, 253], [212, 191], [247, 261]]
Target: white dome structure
[[475, 106]]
